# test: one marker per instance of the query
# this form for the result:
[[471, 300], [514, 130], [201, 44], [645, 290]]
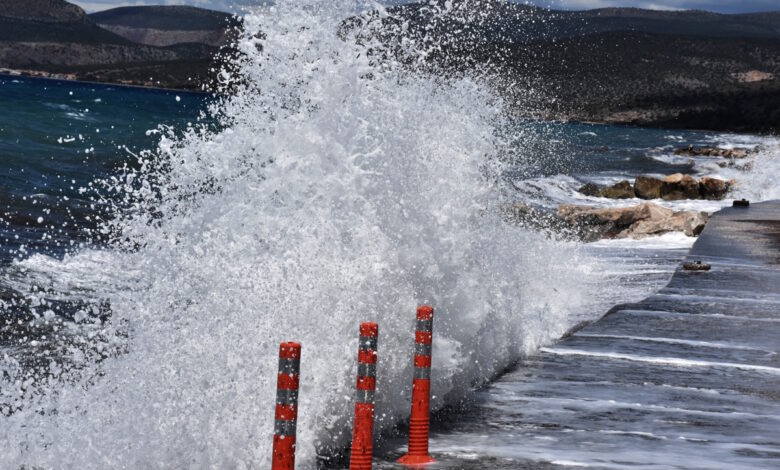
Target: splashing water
[[339, 189]]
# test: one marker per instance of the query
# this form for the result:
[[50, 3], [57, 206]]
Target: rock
[[605, 215], [696, 266], [658, 222], [689, 222], [621, 190], [646, 187], [608, 222], [712, 152], [673, 178], [694, 222], [672, 188], [679, 186], [535, 218], [590, 189], [713, 188], [525, 214], [631, 222]]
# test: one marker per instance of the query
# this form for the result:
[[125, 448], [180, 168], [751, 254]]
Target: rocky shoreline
[[628, 66], [158, 47], [675, 187], [592, 222], [69, 77], [692, 70], [589, 223], [691, 370]]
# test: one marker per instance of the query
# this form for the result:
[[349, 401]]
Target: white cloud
[[93, 6], [726, 6], [227, 5]]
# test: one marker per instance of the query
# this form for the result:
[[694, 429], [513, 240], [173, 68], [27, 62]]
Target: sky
[[722, 6]]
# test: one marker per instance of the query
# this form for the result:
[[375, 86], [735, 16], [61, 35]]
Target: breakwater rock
[[589, 223], [713, 152], [687, 378], [673, 187], [639, 221]]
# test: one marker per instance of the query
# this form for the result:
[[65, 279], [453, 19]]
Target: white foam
[[717, 316], [671, 361], [687, 342], [339, 191], [666, 241]]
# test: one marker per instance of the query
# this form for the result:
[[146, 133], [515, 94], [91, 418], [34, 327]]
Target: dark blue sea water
[[57, 140]]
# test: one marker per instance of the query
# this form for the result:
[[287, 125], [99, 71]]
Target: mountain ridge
[[689, 68], [710, 71], [56, 38], [50, 11], [169, 25], [165, 17]]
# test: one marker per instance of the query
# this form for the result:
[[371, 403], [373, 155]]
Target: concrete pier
[[687, 378]]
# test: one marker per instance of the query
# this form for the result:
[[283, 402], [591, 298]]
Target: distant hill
[[678, 23], [50, 20], [54, 37], [166, 18], [511, 22], [48, 11], [690, 69], [168, 25]]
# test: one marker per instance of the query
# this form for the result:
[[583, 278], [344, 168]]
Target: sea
[[156, 246]]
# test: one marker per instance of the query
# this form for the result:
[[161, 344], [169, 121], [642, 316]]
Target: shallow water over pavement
[[688, 378]]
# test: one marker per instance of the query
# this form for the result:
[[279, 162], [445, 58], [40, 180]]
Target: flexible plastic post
[[363, 429], [286, 406], [421, 391]]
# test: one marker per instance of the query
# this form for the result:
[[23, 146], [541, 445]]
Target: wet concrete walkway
[[688, 378]]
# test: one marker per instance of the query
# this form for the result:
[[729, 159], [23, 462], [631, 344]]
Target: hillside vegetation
[[168, 25], [57, 38], [689, 69]]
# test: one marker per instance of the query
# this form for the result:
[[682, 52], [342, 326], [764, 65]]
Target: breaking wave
[[342, 185]]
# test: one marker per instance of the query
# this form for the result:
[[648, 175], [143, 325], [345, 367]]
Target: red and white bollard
[[421, 391], [286, 406], [363, 429]]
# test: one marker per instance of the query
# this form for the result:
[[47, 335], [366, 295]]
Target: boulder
[[646, 187], [694, 222], [689, 222], [712, 152], [678, 186], [673, 178], [621, 190], [595, 223], [672, 188], [640, 221], [590, 189], [713, 188], [529, 216]]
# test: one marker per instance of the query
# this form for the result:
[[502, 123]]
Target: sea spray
[[340, 188], [758, 182]]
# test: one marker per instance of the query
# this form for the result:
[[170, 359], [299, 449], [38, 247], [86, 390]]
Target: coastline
[[71, 78], [658, 381], [664, 124]]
